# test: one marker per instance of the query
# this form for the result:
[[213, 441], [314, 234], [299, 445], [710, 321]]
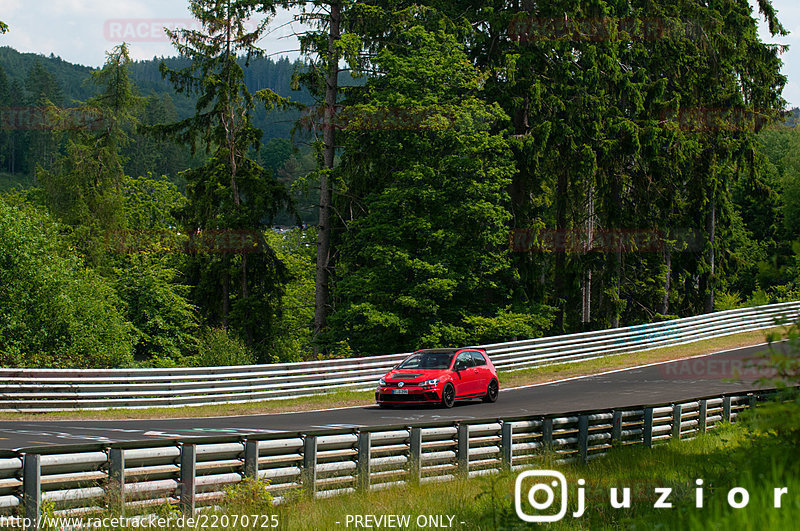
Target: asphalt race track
[[665, 382]]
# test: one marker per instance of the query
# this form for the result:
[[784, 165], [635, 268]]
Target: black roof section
[[437, 350]]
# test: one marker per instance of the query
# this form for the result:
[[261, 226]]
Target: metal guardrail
[[133, 477], [43, 390]]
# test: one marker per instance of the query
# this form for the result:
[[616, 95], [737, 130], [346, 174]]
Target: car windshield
[[427, 360]]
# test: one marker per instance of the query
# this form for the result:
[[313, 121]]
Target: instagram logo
[[540, 495]]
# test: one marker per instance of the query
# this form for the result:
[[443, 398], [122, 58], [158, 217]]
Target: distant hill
[[72, 77], [793, 117], [260, 73]]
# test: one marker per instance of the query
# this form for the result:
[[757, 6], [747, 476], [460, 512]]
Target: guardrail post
[[702, 416], [310, 465], [616, 426], [363, 463], [251, 459], [32, 489], [415, 455], [647, 435], [462, 456], [188, 476], [547, 433], [677, 421], [726, 409], [507, 445], [116, 481], [583, 439]]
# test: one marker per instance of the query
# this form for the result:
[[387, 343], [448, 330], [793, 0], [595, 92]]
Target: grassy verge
[[351, 398], [749, 455]]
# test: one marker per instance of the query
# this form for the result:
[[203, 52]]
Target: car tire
[[448, 396], [492, 391], [384, 405]]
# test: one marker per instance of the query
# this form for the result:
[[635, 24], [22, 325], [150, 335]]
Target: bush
[[54, 312], [727, 301], [157, 306], [218, 349], [249, 496]]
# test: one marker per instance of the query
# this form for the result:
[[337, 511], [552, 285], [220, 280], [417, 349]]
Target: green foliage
[[83, 187], [727, 301], [424, 253], [758, 298], [779, 419], [53, 311], [157, 307], [460, 131], [249, 496], [217, 348], [230, 192], [296, 249], [507, 326]]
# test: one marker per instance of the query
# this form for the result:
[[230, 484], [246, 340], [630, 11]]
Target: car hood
[[414, 375]]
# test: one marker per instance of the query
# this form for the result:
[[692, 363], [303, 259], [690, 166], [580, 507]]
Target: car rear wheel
[[448, 396], [492, 391]]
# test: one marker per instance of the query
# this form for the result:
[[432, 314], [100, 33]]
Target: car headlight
[[382, 382], [430, 383]]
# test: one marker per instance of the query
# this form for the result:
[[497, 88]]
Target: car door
[[465, 379], [481, 370]]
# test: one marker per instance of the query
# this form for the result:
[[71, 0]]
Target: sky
[[81, 31]]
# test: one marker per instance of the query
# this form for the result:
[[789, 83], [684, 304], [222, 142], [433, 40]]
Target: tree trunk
[[668, 264], [616, 253], [559, 282], [711, 227], [325, 197], [586, 288], [226, 300]]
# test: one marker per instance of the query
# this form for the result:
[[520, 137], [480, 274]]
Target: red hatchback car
[[439, 376]]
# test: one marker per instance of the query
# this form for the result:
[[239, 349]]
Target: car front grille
[[417, 397]]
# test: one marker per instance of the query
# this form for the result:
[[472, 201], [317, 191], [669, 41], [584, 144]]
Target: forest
[[426, 174]]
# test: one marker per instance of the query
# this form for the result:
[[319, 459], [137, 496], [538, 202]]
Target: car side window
[[463, 361], [477, 358]]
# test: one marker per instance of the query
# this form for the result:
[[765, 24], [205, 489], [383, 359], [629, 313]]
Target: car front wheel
[[492, 391], [448, 396]]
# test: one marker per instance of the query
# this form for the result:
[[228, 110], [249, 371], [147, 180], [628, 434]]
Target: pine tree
[[230, 192]]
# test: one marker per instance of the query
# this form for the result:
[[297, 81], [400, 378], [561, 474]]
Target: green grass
[[361, 398]]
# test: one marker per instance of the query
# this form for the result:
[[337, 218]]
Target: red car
[[439, 376]]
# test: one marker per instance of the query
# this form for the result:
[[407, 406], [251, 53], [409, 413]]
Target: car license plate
[[400, 391]]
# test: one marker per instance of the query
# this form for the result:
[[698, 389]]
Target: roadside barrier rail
[[130, 478], [46, 390]]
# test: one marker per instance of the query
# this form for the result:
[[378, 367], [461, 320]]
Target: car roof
[[436, 351], [445, 350]]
